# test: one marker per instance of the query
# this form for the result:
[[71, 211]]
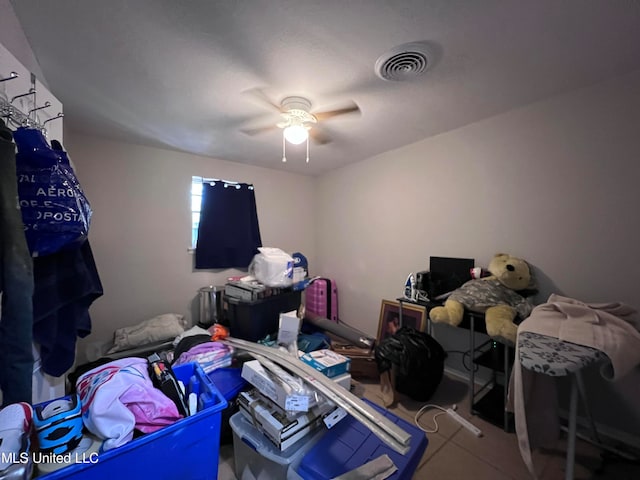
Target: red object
[[219, 332]]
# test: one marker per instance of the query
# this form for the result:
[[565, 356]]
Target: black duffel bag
[[418, 360]]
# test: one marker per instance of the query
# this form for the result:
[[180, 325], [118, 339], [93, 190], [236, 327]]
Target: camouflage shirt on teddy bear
[[478, 295]]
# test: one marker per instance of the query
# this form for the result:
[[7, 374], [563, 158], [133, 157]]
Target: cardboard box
[[363, 362], [328, 362], [243, 291], [254, 373], [343, 380], [288, 329], [282, 429]]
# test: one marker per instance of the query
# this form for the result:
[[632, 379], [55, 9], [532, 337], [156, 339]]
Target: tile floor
[[454, 453]]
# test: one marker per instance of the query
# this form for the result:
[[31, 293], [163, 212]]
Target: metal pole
[[571, 441]]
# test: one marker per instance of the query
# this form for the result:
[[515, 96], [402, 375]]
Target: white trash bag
[[272, 267]]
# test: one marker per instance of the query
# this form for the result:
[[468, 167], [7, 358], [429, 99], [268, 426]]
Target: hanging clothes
[[56, 215], [228, 234], [16, 284], [66, 284]]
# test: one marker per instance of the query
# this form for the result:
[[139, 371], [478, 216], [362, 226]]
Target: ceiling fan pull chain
[[284, 149], [307, 149]]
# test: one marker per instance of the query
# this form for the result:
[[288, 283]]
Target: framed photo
[[412, 316]]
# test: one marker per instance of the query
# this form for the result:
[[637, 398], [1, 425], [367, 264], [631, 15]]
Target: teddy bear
[[496, 296]]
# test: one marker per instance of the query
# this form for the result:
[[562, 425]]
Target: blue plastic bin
[[350, 445], [188, 449], [228, 381]]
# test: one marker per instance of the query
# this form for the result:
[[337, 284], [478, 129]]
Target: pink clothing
[[210, 356], [118, 397]]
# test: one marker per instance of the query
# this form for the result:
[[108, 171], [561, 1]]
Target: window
[[196, 205], [224, 223]]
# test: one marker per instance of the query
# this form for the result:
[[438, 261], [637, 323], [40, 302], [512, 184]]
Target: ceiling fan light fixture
[[296, 134]]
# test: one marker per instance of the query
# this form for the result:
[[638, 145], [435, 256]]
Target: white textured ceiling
[[172, 73]]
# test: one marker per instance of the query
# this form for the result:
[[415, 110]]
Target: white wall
[[13, 38], [141, 225], [556, 183]]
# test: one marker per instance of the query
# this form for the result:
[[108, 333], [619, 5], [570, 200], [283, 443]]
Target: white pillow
[[156, 329]]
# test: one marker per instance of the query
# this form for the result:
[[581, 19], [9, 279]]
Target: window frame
[[196, 205]]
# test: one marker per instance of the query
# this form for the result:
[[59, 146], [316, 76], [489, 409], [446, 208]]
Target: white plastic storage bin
[[257, 457]]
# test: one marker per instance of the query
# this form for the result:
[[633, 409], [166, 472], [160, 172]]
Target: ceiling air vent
[[404, 62]]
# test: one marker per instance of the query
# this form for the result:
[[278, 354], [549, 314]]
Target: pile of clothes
[[195, 345], [114, 401]]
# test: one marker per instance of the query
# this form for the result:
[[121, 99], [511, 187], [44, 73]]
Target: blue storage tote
[[187, 449], [228, 381], [350, 444]]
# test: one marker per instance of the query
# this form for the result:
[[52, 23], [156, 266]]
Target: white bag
[[272, 267]]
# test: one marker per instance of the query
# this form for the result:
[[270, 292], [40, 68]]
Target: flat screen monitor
[[447, 274]]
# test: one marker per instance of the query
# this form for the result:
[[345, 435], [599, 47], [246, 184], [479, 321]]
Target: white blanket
[[612, 328]]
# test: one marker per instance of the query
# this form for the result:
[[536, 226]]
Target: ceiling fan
[[298, 123]]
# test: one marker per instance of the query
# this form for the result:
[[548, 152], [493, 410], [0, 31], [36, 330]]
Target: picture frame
[[412, 316]]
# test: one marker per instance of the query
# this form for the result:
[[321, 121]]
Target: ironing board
[[557, 358]]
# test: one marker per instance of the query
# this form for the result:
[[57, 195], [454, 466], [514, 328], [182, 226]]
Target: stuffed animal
[[496, 296]]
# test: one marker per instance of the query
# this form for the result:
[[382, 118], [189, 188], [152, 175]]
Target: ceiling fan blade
[[260, 95], [258, 130], [351, 108], [319, 137]]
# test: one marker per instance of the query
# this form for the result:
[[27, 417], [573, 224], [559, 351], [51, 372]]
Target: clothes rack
[[25, 101]]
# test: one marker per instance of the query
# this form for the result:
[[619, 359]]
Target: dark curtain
[[228, 235]]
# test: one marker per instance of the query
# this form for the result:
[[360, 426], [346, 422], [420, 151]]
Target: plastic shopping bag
[[272, 267], [55, 211]]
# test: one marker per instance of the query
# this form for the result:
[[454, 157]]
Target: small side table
[[496, 393], [557, 358], [490, 392]]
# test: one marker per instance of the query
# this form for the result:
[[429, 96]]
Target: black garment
[[188, 342], [16, 284], [66, 284]]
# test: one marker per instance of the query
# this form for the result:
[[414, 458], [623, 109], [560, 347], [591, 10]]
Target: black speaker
[[422, 281]]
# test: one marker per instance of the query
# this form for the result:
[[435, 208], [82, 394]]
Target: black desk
[[428, 305], [489, 400]]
